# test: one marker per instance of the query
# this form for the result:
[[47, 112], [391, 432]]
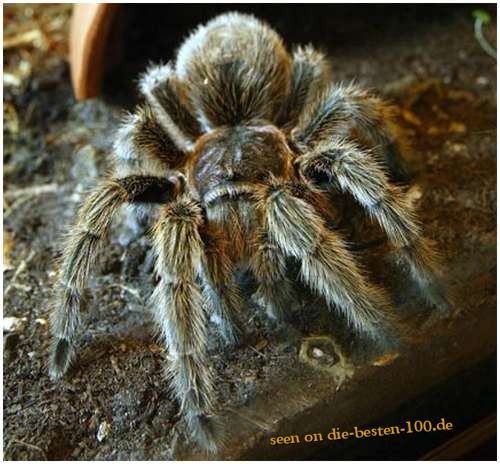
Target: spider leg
[[167, 96], [326, 266], [358, 173], [179, 313], [340, 110], [80, 255], [142, 146], [311, 72], [269, 267], [222, 295]]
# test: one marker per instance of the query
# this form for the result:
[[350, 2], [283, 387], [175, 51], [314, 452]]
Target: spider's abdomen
[[236, 158], [236, 68]]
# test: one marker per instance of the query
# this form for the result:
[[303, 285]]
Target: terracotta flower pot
[[90, 30]]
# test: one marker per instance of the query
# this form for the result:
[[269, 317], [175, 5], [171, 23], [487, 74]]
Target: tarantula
[[237, 143]]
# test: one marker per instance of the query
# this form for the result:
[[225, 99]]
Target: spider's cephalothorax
[[233, 149], [238, 156]]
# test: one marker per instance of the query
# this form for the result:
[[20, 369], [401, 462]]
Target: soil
[[114, 403]]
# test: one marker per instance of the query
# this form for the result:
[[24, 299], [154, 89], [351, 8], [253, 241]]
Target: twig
[[132, 291], [34, 37], [25, 288], [20, 268], [31, 191], [15, 205], [29, 445], [257, 351]]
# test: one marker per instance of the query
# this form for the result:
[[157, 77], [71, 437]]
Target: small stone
[[433, 130], [14, 324], [11, 80], [328, 358], [317, 353], [457, 127], [457, 147], [103, 431], [41, 321], [481, 80]]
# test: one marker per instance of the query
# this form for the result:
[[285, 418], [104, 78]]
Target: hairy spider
[[238, 143]]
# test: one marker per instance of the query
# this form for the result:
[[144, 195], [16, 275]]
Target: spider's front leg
[[326, 266], [358, 173], [80, 255], [344, 110], [179, 313]]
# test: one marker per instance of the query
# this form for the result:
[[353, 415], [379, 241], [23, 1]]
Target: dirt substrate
[[114, 404]]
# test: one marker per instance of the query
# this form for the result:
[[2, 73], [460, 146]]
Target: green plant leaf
[[484, 16]]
